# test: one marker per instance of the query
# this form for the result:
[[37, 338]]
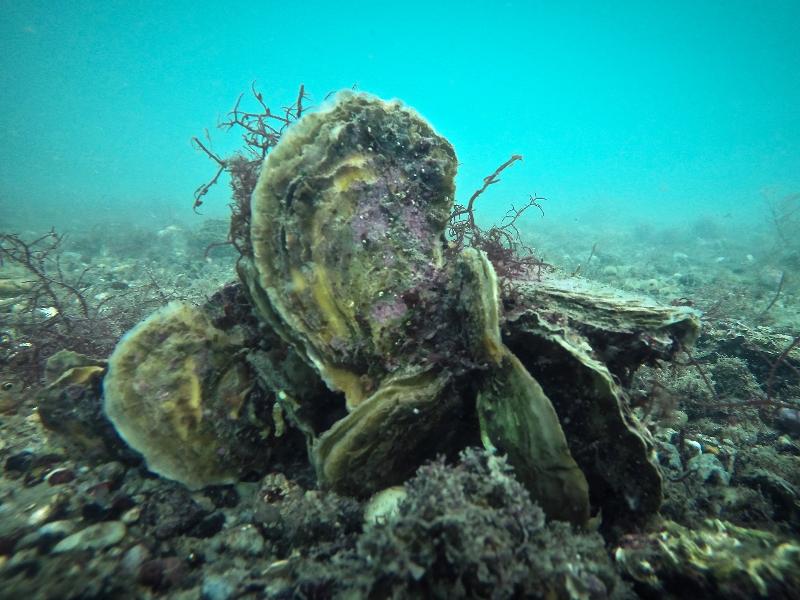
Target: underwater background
[[642, 112], [567, 367]]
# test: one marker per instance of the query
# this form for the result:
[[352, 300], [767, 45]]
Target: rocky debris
[[788, 420], [719, 560], [70, 405], [292, 517], [93, 537], [464, 531], [171, 511], [708, 469]]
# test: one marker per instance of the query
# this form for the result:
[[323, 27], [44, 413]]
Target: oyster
[[177, 392], [347, 231], [353, 285], [348, 221]]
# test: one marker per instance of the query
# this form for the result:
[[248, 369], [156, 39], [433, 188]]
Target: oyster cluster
[[353, 286]]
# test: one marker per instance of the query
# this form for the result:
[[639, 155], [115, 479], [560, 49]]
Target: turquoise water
[[637, 111]]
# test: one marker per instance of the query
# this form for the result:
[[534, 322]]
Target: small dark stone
[[162, 573], [151, 573], [47, 460], [223, 496], [788, 420], [171, 511], [9, 542], [60, 476], [209, 526], [106, 507], [111, 474], [20, 462], [40, 466]]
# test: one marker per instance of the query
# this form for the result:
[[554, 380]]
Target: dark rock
[[101, 504], [782, 494], [8, 542], [294, 518], [71, 406], [171, 511], [134, 558], [162, 573], [218, 587], [223, 496], [209, 526], [19, 463], [60, 476], [788, 420], [470, 527], [93, 537]]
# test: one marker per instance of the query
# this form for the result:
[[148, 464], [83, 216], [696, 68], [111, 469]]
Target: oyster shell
[[347, 233], [353, 285], [348, 222]]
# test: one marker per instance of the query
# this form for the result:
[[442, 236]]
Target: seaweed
[[502, 243], [468, 530], [54, 308], [261, 130]]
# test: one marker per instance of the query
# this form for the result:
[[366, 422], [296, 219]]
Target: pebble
[[134, 558], [61, 528], [162, 573], [709, 469], [49, 512], [245, 540], [217, 587], [47, 535], [669, 455], [59, 476], [788, 420], [694, 448], [277, 569], [55, 531], [383, 505], [131, 516], [94, 537]]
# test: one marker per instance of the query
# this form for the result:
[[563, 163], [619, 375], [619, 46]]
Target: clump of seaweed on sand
[[49, 307]]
